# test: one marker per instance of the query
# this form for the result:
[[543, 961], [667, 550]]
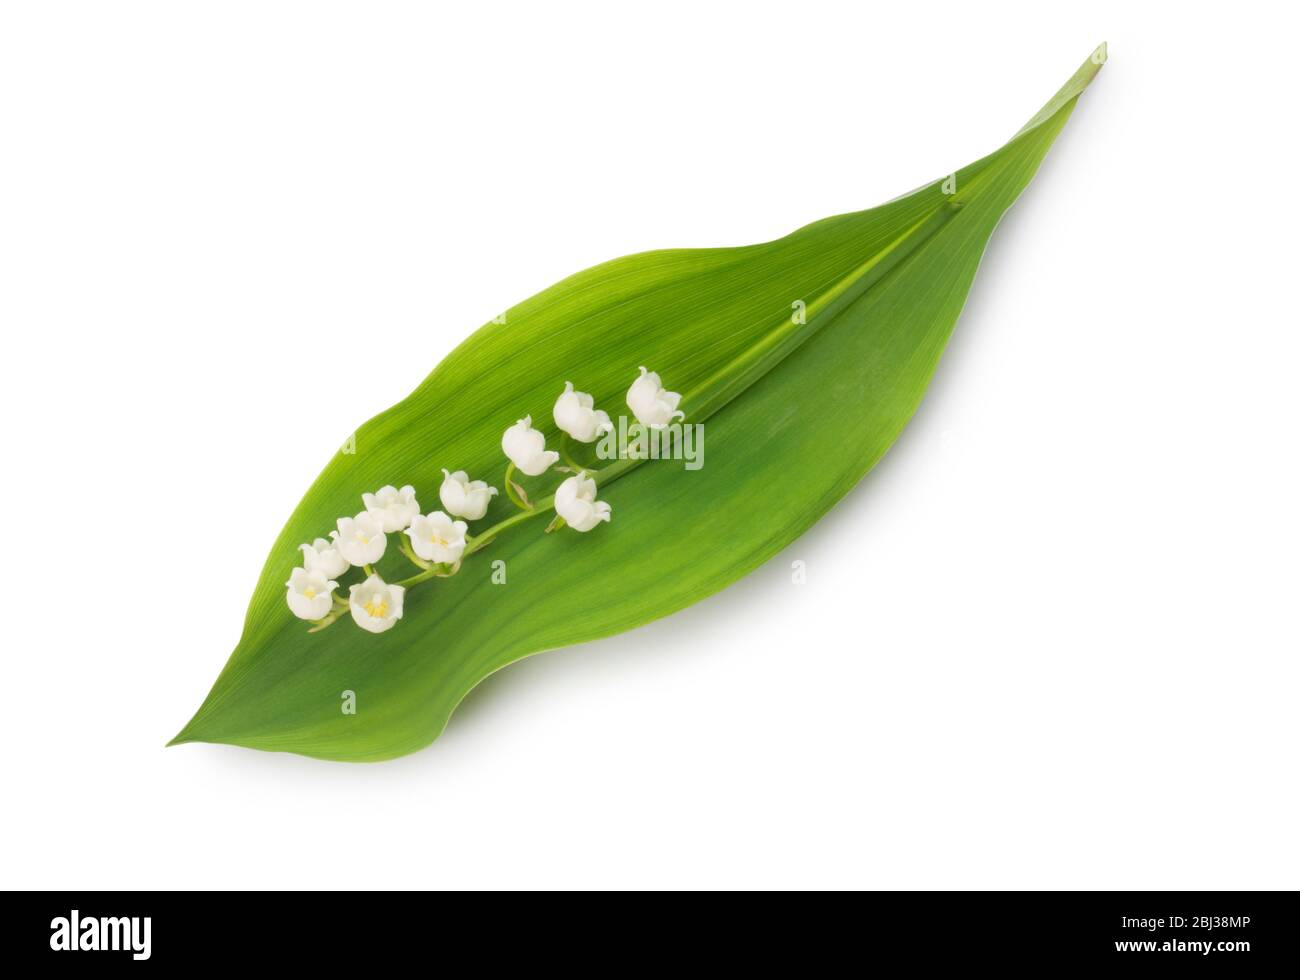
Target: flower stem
[[334, 614], [482, 540], [404, 545], [620, 467], [433, 571], [566, 445], [515, 492]]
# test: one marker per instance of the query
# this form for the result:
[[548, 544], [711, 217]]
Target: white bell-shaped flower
[[575, 501], [376, 605], [526, 448], [311, 594], [393, 508], [576, 414], [438, 538], [650, 403], [464, 497], [361, 538], [324, 557]]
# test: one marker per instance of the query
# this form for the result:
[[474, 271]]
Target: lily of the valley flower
[[576, 414], [464, 497], [324, 558], [311, 594], [438, 538], [649, 402], [361, 538], [526, 448], [393, 508], [575, 501], [376, 605]]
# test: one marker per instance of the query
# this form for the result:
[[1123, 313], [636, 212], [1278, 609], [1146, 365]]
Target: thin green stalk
[[404, 545], [513, 490]]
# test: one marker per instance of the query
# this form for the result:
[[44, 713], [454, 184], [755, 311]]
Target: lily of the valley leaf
[[466, 590]]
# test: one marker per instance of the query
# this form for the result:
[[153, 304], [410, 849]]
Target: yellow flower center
[[309, 593], [434, 539], [377, 607]]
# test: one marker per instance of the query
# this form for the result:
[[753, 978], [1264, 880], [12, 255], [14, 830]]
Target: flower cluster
[[438, 541], [362, 540]]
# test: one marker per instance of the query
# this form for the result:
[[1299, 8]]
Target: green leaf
[[823, 399]]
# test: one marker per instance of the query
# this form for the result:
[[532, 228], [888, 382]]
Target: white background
[[1050, 642]]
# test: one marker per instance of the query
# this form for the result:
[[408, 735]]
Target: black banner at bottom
[[134, 931]]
